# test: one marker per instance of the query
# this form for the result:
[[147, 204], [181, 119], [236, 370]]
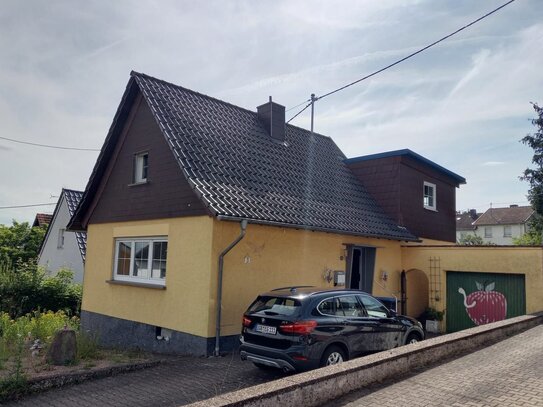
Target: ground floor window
[[141, 259]]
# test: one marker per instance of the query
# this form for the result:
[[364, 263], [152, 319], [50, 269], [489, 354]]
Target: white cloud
[[463, 103], [493, 163]]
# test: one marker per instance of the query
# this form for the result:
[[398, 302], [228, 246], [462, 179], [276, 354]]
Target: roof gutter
[[320, 229], [243, 227]]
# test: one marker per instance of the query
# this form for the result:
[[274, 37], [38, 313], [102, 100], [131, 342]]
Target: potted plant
[[432, 319]]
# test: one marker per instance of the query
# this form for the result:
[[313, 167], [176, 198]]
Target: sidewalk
[[509, 373]]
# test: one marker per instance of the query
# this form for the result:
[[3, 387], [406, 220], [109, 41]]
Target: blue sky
[[464, 104]]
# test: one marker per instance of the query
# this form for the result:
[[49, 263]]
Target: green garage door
[[480, 298]]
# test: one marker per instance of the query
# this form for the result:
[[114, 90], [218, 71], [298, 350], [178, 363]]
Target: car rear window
[[276, 306]]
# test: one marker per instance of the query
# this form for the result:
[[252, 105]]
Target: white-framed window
[[141, 259], [507, 231], [60, 242], [141, 165], [429, 196], [488, 231]]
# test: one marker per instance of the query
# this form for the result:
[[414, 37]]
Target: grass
[[18, 361], [87, 346]]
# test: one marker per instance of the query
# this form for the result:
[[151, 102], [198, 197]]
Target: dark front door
[[360, 268]]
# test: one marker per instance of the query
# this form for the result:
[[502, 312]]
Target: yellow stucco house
[[195, 206]]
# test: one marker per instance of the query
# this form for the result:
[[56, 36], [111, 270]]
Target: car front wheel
[[332, 356], [412, 338]]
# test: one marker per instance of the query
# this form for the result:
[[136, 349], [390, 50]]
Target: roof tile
[[240, 172]]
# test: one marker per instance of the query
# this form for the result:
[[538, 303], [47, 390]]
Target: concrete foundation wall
[[121, 333]]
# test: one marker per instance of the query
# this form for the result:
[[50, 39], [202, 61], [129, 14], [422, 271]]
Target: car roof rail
[[293, 288]]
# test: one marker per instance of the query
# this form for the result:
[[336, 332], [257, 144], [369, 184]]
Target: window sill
[[430, 209], [135, 184], [137, 284]]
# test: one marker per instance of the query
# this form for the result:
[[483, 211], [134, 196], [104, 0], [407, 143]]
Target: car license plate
[[265, 329]]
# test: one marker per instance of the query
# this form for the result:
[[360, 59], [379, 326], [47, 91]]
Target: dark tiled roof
[[505, 216], [240, 172], [406, 152], [42, 219], [464, 221], [72, 201]]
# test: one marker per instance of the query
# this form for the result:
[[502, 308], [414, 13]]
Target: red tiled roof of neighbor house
[[42, 219], [505, 216]]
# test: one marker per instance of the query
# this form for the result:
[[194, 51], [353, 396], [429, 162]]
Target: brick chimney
[[272, 116]]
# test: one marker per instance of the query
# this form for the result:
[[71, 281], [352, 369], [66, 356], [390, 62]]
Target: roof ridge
[[72, 190], [144, 75]]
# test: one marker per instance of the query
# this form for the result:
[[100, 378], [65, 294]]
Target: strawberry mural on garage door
[[485, 305]]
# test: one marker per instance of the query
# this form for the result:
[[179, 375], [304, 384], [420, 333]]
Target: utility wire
[[298, 105], [26, 206], [49, 146], [299, 113], [408, 56]]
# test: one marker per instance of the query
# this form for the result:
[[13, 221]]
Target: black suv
[[301, 328]]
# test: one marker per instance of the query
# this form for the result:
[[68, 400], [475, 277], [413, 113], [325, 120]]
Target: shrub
[[24, 288], [38, 325]]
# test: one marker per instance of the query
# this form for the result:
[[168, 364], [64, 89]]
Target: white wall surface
[[497, 234], [54, 258]]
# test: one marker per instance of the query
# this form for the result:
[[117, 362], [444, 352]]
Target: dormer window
[[140, 167], [429, 199]]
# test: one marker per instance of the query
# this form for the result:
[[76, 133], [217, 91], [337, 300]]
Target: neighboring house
[[61, 248], [195, 206], [42, 219], [464, 224], [500, 225]]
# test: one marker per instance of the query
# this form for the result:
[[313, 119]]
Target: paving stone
[[509, 373]]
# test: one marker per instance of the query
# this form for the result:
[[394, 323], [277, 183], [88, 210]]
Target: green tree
[[20, 241], [471, 240], [528, 239], [25, 287], [534, 176]]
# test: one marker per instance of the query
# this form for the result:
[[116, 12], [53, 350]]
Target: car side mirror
[[392, 313]]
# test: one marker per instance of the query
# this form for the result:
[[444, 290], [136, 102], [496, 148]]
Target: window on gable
[[488, 231], [140, 167], [507, 231], [141, 260], [60, 242], [429, 199]]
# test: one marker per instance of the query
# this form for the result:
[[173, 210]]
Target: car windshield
[[276, 306]]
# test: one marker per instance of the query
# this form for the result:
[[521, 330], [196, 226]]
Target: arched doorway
[[416, 292]]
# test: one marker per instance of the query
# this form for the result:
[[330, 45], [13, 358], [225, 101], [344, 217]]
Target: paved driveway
[[509, 373], [180, 382]]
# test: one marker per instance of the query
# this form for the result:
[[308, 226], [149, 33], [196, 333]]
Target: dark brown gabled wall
[[167, 193], [396, 183]]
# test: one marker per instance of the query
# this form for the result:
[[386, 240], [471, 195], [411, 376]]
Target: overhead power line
[[298, 105], [49, 146], [299, 113], [406, 57], [26, 206]]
